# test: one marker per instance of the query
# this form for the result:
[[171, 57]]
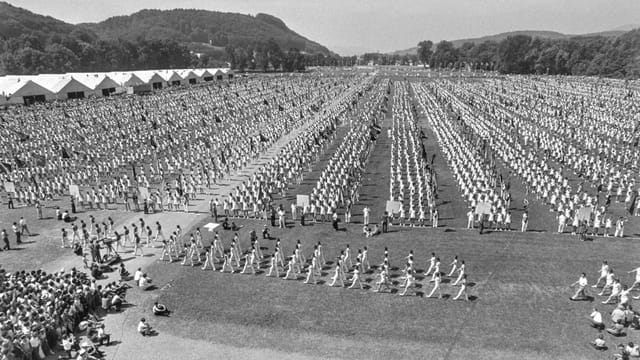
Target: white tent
[[100, 83], [171, 77], [125, 79], [151, 78], [218, 74], [21, 89], [189, 76], [204, 75], [63, 86]]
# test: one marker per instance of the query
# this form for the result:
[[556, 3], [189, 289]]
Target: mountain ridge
[[545, 34]]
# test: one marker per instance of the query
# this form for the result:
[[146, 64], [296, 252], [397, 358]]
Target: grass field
[[520, 285]]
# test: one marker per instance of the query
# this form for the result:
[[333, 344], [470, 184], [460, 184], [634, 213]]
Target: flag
[[65, 153], [263, 138]]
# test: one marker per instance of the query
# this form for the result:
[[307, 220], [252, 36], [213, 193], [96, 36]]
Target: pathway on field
[[374, 191], [127, 347]]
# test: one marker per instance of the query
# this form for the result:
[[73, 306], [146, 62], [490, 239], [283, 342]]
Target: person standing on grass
[[580, 285], [432, 263], [311, 272], [5, 240], [337, 275], [384, 280], [463, 288], [166, 251], [217, 246], [525, 221], [436, 216], [461, 273], [273, 262], [355, 280], [454, 266], [436, 285], [436, 270], [137, 245], [604, 270], [365, 213], [208, 259], [637, 278], [17, 233], [227, 262], [365, 260]]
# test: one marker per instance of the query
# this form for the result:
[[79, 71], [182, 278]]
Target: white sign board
[[483, 208], [302, 201], [393, 207], [584, 213], [144, 193], [74, 191], [9, 187]]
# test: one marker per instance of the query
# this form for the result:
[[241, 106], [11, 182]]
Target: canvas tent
[[22, 90], [100, 83]]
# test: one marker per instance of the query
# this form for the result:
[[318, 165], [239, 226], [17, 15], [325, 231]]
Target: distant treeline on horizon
[[616, 57]]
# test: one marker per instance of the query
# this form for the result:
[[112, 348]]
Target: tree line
[[617, 57]]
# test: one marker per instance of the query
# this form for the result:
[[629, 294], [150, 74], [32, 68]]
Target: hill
[[202, 26], [533, 33], [149, 39]]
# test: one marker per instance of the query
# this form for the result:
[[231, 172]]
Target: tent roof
[[17, 85], [95, 80]]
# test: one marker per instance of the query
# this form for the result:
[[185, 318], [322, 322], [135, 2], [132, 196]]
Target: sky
[[355, 26]]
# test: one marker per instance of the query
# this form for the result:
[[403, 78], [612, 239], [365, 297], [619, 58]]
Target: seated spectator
[[599, 343], [596, 319], [616, 329], [144, 328], [633, 350], [144, 282], [124, 274], [102, 337], [366, 231], [622, 353]]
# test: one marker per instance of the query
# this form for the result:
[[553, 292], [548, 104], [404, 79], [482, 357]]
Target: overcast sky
[[376, 25]]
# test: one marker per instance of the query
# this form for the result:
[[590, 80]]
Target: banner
[[144, 193], [393, 207], [483, 208], [302, 201], [584, 213], [74, 191], [9, 187]]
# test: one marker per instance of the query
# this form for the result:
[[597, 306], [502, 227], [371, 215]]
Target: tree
[[425, 52]]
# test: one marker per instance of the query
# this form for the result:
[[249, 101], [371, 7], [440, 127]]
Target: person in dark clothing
[[73, 205], [385, 222], [10, 204], [5, 240], [273, 217]]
